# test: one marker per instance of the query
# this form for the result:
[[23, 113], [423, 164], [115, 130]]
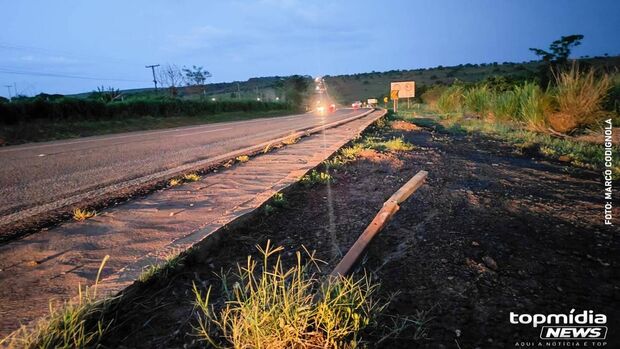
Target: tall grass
[[271, 306], [506, 106], [451, 100], [478, 100], [80, 323], [579, 98], [533, 106], [576, 101]]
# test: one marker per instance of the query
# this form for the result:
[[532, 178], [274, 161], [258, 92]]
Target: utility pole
[[238, 92], [8, 87], [153, 70]]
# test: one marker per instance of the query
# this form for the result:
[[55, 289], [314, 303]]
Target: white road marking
[[199, 132]]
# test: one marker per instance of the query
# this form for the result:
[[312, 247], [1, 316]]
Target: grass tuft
[[243, 158], [161, 271], [350, 153], [397, 144], [82, 215], [191, 177], [174, 182], [279, 200], [271, 306], [80, 323], [316, 177], [291, 140]]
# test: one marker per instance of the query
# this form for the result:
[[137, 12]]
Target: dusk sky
[[85, 44]]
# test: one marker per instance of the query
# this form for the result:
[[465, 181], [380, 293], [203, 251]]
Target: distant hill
[[348, 88]]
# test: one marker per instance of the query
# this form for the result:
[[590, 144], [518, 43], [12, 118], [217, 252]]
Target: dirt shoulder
[[491, 232], [540, 222]]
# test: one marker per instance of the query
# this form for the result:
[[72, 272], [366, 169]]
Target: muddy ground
[[492, 231]]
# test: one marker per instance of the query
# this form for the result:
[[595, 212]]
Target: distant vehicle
[[356, 104], [322, 108]]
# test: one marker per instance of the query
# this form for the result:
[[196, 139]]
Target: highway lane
[[40, 173]]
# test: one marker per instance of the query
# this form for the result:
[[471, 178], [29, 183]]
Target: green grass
[[579, 153], [279, 200], [273, 306], [397, 144], [161, 271], [39, 130], [316, 177], [80, 323]]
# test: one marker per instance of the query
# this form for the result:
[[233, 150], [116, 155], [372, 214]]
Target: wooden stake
[[383, 216]]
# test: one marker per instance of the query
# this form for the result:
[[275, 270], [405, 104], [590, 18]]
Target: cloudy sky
[[68, 46]]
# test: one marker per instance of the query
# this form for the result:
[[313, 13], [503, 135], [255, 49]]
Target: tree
[[559, 50], [104, 95], [294, 88], [170, 75], [556, 57], [196, 76]]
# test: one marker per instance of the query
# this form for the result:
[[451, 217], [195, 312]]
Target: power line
[[57, 75], [98, 58]]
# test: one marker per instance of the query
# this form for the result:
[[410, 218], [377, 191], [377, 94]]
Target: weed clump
[[397, 144], [80, 323], [243, 158], [191, 177], [316, 177], [82, 215], [279, 200], [277, 307]]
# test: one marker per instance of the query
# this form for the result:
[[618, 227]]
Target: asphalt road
[[40, 173]]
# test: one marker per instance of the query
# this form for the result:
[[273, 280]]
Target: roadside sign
[[385, 99], [394, 94], [406, 88]]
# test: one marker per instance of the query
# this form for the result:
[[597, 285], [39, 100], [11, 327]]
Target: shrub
[[451, 100], [67, 108], [578, 97], [431, 96]]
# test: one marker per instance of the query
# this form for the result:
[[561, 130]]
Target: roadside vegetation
[[41, 120], [82, 214], [563, 121], [559, 112], [274, 306], [573, 104], [80, 323]]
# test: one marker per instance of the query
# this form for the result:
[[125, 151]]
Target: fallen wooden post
[[387, 211]]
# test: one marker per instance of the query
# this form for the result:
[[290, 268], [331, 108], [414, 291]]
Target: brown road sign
[[406, 88]]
